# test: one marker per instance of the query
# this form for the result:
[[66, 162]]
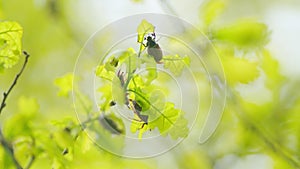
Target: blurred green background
[[257, 41]]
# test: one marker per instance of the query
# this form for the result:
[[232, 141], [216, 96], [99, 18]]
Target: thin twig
[[5, 94], [6, 145]]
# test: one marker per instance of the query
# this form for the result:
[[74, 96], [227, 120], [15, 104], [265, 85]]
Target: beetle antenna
[[154, 36], [158, 39]]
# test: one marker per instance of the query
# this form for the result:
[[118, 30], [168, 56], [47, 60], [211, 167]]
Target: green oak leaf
[[150, 68], [10, 43], [21, 123], [180, 128], [106, 97], [131, 60], [28, 106], [271, 68], [65, 84], [107, 70], [103, 73], [118, 93], [239, 70], [138, 126], [211, 10], [175, 63], [169, 121], [162, 115], [137, 84], [245, 33], [144, 28]]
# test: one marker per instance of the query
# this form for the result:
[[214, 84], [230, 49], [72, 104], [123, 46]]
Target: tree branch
[[5, 94], [6, 145]]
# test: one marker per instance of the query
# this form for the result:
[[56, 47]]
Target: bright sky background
[[283, 21]]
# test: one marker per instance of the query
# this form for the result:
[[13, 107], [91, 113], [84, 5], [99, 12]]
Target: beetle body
[[154, 49]]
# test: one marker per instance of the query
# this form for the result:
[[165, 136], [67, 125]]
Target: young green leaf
[[161, 115], [107, 70], [211, 10], [65, 84], [138, 125], [180, 128], [239, 70], [136, 82], [23, 148], [106, 97], [27, 111], [244, 33], [169, 121], [272, 69], [144, 94], [129, 58], [28, 106], [104, 73], [118, 93], [175, 63], [10, 43], [150, 68], [63, 138], [144, 28]]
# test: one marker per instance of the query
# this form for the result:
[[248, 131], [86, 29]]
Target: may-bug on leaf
[[153, 48]]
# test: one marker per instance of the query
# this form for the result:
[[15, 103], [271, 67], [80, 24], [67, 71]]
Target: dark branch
[[6, 145], [5, 94]]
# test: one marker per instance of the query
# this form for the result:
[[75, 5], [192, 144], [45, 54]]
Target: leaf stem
[[84, 123], [170, 59], [140, 50], [141, 43], [130, 75]]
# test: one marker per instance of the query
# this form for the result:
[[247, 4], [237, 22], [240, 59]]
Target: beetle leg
[[154, 35], [145, 45]]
